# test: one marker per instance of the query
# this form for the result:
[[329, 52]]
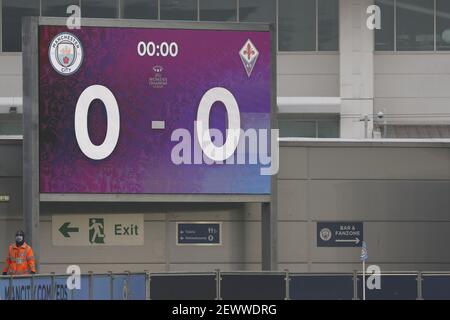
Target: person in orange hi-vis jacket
[[20, 259]]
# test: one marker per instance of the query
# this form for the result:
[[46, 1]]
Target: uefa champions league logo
[[65, 53], [158, 80]]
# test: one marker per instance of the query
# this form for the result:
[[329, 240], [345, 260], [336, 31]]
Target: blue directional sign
[[339, 234], [199, 233]]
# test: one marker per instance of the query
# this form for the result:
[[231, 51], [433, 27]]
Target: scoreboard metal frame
[[32, 198]]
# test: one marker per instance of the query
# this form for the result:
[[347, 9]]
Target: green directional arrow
[[65, 229]]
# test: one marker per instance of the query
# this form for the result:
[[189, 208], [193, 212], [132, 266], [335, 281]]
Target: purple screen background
[[141, 163]]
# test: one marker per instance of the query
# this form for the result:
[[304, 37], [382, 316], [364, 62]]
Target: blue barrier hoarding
[[21, 289], [101, 287], [321, 287], [83, 292], [4, 287], [183, 287], [42, 288], [129, 287], [61, 290], [120, 287], [253, 287], [436, 287], [393, 287], [136, 287], [232, 286]]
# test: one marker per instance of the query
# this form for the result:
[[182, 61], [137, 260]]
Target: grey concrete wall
[[414, 88], [10, 184], [400, 191], [240, 249], [356, 47], [10, 74], [308, 74]]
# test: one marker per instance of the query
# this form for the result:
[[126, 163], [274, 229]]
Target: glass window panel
[[328, 25], [257, 10], [297, 25], [443, 24], [384, 37], [218, 10], [304, 129], [328, 129], [99, 8], [178, 9], [12, 13], [415, 25], [57, 8], [139, 9]]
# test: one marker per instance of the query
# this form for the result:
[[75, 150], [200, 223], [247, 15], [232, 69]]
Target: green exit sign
[[4, 198]]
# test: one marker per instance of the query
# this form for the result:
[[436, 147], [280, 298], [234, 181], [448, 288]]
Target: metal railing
[[220, 285]]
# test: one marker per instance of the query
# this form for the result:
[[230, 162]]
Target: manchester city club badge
[[65, 53]]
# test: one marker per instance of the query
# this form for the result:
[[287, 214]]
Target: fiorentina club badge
[[249, 54], [65, 53]]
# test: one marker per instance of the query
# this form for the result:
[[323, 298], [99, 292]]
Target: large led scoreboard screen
[[153, 110]]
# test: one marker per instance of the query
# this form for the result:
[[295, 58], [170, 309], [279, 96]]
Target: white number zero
[[81, 122], [234, 124]]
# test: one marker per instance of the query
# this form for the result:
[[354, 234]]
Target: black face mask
[[19, 240]]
